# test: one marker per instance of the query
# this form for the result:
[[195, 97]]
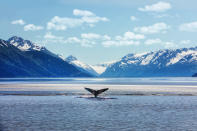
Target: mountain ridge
[[18, 55], [17, 62], [167, 62]]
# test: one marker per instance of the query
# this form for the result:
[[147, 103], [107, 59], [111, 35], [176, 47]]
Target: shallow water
[[117, 86], [126, 113], [108, 81], [131, 104]]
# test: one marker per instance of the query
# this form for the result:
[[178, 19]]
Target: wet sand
[[78, 89]]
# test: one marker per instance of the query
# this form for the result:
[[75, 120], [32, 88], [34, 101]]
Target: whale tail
[[96, 92]]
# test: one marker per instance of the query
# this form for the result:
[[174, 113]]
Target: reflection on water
[[126, 113], [100, 98]]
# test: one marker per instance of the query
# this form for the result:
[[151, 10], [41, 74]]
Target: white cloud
[[91, 39], [32, 27], [93, 19], [49, 35], [165, 44], [82, 42], [87, 43], [169, 44], [18, 22], [127, 39], [50, 38], [153, 41], [73, 40], [62, 23], [90, 36], [161, 15], [91, 25], [130, 35], [78, 12], [88, 39], [185, 42], [156, 28], [157, 7], [190, 27], [119, 43], [106, 37], [87, 17], [133, 18]]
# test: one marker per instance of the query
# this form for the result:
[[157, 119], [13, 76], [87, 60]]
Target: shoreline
[[78, 89]]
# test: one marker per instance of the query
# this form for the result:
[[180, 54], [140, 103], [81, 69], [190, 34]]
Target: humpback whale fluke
[[96, 92]]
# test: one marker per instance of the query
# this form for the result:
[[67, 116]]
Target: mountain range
[[162, 63], [23, 58]]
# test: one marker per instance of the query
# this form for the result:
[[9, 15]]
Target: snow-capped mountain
[[23, 58], [178, 62], [24, 45], [81, 66], [95, 70], [29, 60], [27, 45]]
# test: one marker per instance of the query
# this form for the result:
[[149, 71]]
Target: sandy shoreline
[[78, 89]]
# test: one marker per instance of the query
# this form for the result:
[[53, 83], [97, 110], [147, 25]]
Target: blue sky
[[97, 31]]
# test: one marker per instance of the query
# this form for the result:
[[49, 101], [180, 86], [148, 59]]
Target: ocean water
[[126, 113], [160, 104], [109, 81]]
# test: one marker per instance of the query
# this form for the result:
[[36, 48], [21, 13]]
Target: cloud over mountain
[[32, 27], [86, 17], [153, 29]]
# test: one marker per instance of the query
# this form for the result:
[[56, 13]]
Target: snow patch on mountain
[[154, 57], [3, 43], [100, 68], [167, 62], [24, 45], [61, 57], [81, 66], [147, 59], [140, 54], [183, 54]]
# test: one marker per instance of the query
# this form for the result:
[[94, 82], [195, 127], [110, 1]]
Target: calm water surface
[[110, 81], [126, 113], [70, 113]]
